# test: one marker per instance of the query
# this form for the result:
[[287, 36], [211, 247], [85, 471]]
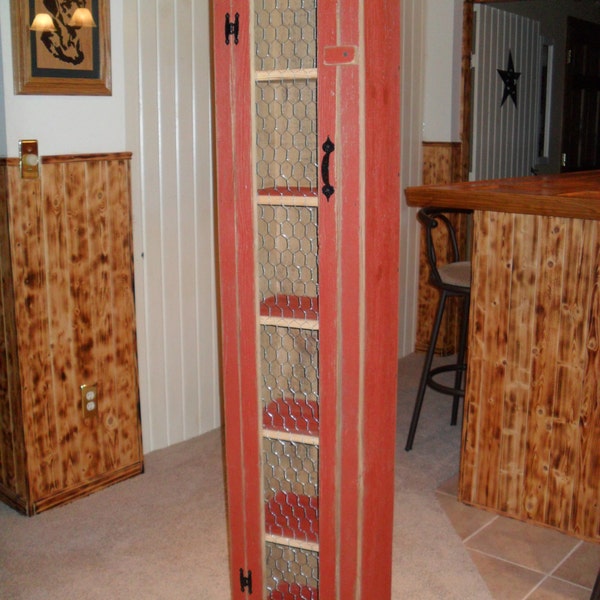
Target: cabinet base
[[64, 496]]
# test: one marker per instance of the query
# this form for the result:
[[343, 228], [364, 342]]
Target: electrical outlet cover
[[89, 400]]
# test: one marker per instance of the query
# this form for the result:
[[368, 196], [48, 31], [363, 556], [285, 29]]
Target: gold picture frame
[[69, 60]]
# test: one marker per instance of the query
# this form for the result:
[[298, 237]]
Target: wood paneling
[[531, 433], [441, 164], [532, 423], [69, 319]]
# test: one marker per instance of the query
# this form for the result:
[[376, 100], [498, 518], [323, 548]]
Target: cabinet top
[[570, 195], [70, 158]]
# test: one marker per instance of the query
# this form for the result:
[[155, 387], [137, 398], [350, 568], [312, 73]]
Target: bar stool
[[453, 280]]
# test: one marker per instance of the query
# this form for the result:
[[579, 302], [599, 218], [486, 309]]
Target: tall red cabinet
[[307, 149]]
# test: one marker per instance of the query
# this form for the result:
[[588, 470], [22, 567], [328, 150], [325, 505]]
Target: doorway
[[506, 94], [553, 16], [581, 112]]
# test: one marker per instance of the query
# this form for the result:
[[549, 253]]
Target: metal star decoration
[[509, 77]]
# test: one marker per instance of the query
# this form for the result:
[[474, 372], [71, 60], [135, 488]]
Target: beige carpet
[[162, 535]]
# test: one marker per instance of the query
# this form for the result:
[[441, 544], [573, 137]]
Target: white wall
[[442, 70], [64, 124]]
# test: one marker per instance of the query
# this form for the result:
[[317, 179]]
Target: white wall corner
[[443, 36]]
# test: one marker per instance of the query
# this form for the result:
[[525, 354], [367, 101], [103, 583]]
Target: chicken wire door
[[309, 395]]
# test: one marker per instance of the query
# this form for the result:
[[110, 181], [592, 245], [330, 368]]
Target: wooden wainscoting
[[68, 319], [441, 164], [531, 432]]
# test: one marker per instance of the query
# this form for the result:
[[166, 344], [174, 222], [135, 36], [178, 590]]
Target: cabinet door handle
[[327, 189], [232, 28]]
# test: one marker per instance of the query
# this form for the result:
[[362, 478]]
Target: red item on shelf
[[290, 307], [293, 516], [296, 415], [293, 591]]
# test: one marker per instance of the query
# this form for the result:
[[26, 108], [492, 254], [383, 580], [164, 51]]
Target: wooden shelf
[[284, 306], [293, 516], [286, 75], [289, 197]]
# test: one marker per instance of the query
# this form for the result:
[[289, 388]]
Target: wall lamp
[[42, 22], [82, 17]]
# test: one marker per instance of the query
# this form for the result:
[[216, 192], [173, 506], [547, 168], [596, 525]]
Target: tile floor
[[521, 561]]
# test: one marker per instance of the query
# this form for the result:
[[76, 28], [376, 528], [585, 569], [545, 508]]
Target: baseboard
[[102, 482]]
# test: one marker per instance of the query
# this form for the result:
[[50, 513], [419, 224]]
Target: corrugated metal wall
[[504, 135], [167, 50]]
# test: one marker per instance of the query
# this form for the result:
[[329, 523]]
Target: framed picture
[[69, 53]]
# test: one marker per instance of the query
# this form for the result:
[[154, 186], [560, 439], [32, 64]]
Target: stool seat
[[453, 279], [456, 273]]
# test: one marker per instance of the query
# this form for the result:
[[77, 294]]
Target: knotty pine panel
[[13, 479], [531, 433], [70, 282], [441, 164]]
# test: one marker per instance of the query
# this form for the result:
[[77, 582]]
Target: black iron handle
[[327, 189], [232, 28]]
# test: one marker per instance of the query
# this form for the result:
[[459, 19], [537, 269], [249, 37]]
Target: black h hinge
[[246, 582], [232, 28]]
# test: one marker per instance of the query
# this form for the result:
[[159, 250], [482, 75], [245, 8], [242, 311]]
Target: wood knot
[[111, 422]]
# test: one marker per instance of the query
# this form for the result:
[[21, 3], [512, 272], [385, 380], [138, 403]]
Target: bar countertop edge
[[569, 195]]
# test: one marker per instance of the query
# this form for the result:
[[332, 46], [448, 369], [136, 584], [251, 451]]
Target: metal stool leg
[[425, 373], [462, 350], [596, 591]]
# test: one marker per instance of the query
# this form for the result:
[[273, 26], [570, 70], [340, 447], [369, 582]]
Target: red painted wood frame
[[236, 258], [359, 109]]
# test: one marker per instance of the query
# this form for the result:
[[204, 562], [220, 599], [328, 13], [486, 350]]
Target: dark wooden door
[[581, 112]]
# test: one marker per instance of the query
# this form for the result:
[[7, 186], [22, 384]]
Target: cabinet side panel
[[13, 481], [80, 452], [330, 549], [109, 187], [237, 297], [381, 199], [350, 293], [75, 320], [31, 315]]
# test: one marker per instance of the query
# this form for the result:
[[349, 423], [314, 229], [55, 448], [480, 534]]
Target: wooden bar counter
[[531, 429]]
